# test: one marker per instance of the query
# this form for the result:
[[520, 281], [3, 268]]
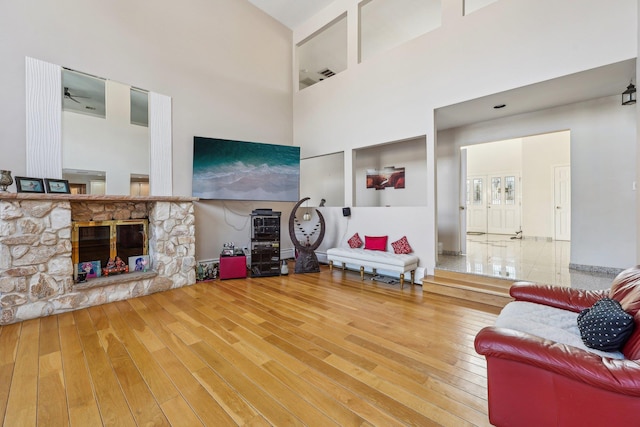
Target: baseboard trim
[[595, 269], [454, 253], [537, 238]]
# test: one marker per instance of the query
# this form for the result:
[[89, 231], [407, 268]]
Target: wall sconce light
[[629, 95], [307, 215]]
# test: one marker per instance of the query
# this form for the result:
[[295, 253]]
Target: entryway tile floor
[[529, 259]]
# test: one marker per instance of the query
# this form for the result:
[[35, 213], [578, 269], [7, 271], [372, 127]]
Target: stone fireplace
[[36, 251]]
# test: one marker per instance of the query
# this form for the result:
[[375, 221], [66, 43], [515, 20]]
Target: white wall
[[603, 169], [226, 65], [230, 221], [499, 47], [541, 154], [495, 157], [322, 177]]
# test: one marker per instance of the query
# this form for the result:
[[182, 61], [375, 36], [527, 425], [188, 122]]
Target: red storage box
[[233, 267]]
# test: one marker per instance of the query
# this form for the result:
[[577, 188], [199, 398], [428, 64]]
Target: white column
[[43, 118], [160, 173]]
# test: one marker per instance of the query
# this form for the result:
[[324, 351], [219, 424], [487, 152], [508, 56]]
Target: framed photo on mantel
[[60, 186], [29, 185]]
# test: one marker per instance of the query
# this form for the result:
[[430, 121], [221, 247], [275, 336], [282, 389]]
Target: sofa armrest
[[562, 297], [616, 375]]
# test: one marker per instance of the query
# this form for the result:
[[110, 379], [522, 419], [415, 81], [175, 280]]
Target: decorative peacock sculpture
[[306, 261]]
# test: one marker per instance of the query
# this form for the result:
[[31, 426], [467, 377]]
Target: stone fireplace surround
[[36, 271]]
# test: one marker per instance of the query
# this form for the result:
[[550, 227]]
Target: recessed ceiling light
[[497, 107]]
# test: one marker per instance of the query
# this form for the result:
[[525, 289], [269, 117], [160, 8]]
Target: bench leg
[[413, 278], [361, 273], [330, 265]]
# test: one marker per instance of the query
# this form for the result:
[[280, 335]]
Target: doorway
[[520, 185], [504, 209], [476, 205], [493, 203]]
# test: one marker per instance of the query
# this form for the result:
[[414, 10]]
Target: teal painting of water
[[238, 170]]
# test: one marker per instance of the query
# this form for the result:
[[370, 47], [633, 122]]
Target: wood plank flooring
[[316, 349]]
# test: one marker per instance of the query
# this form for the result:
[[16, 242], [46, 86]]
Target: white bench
[[389, 261]]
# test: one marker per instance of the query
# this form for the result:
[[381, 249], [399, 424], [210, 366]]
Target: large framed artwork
[[239, 170]]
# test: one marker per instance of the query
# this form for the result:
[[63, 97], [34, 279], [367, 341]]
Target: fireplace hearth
[[39, 248]]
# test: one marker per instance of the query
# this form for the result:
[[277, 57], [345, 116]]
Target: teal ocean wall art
[[239, 170]]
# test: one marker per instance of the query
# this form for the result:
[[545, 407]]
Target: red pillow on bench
[[375, 243]]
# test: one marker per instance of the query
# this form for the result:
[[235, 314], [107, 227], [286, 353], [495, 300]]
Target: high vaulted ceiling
[[599, 82], [291, 12]]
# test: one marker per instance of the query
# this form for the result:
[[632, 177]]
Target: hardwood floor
[[308, 349]]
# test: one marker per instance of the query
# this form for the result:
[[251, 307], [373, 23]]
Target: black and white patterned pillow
[[605, 326]]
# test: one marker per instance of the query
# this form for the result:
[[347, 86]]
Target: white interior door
[[503, 206], [463, 200], [476, 204], [97, 187], [562, 202]]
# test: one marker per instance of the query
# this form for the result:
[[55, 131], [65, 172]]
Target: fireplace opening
[[100, 241]]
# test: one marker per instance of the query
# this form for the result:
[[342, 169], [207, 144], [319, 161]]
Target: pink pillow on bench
[[355, 241], [401, 246], [375, 243]]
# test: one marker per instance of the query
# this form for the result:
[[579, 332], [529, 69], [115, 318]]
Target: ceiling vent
[[327, 72]]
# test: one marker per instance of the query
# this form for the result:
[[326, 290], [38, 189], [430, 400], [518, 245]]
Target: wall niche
[[410, 154]]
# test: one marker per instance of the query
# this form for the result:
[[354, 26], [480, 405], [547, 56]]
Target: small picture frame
[[139, 263], [56, 186], [29, 185], [90, 268]]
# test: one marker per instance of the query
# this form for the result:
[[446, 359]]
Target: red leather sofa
[[537, 382]]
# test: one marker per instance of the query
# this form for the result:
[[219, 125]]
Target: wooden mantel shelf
[[93, 197]]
